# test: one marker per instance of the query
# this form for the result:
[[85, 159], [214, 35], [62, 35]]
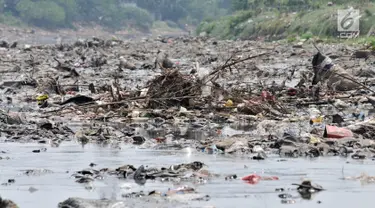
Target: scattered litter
[[254, 178], [336, 132]]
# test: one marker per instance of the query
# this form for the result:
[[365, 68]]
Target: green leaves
[[127, 15], [116, 14], [2, 3], [41, 13], [240, 5]]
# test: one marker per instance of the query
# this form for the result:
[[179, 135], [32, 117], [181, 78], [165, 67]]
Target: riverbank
[[34, 35], [274, 24], [88, 117]]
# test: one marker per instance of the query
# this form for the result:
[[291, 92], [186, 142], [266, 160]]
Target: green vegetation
[[165, 27], [291, 20], [367, 42], [63, 13], [114, 14], [285, 19]]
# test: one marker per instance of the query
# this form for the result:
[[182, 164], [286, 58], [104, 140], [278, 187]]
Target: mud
[[99, 121]]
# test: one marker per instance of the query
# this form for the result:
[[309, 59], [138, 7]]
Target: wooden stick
[[316, 47], [355, 81]]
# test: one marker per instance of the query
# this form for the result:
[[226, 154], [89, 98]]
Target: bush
[[368, 42], [71, 9], [248, 31], [2, 6], [239, 5], [307, 36], [368, 12], [127, 15], [9, 19], [171, 24], [291, 39], [240, 17], [41, 13], [141, 17]]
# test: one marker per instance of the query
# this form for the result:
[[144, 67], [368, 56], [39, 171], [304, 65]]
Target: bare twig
[[227, 64], [316, 47], [355, 81]]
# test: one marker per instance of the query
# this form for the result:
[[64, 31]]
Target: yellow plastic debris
[[41, 98], [314, 140], [229, 103], [318, 120]]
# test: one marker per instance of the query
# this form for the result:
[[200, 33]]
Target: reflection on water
[[58, 186], [192, 133]]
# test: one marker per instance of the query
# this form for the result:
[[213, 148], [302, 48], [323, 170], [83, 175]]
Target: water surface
[[69, 157]]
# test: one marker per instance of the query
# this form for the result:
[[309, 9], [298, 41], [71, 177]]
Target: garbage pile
[[141, 174], [313, 108], [172, 89]]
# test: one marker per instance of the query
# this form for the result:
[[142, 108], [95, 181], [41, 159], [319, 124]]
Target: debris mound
[[9, 119], [172, 89]]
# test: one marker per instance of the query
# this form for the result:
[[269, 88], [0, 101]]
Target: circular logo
[[347, 21]]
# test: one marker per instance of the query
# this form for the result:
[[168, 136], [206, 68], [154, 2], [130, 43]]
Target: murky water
[[58, 186]]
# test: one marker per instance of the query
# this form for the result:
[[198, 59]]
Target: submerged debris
[[4, 203], [84, 203], [254, 178], [363, 178], [306, 189], [142, 174]]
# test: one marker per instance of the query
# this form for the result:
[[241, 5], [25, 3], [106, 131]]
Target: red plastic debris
[[270, 178], [266, 96], [337, 132], [71, 93], [292, 92], [160, 140], [254, 178]]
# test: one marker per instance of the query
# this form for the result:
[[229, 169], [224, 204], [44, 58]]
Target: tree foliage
[[112, 13], [138, 13], [2, 2], [240, 5], [41, 13]]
